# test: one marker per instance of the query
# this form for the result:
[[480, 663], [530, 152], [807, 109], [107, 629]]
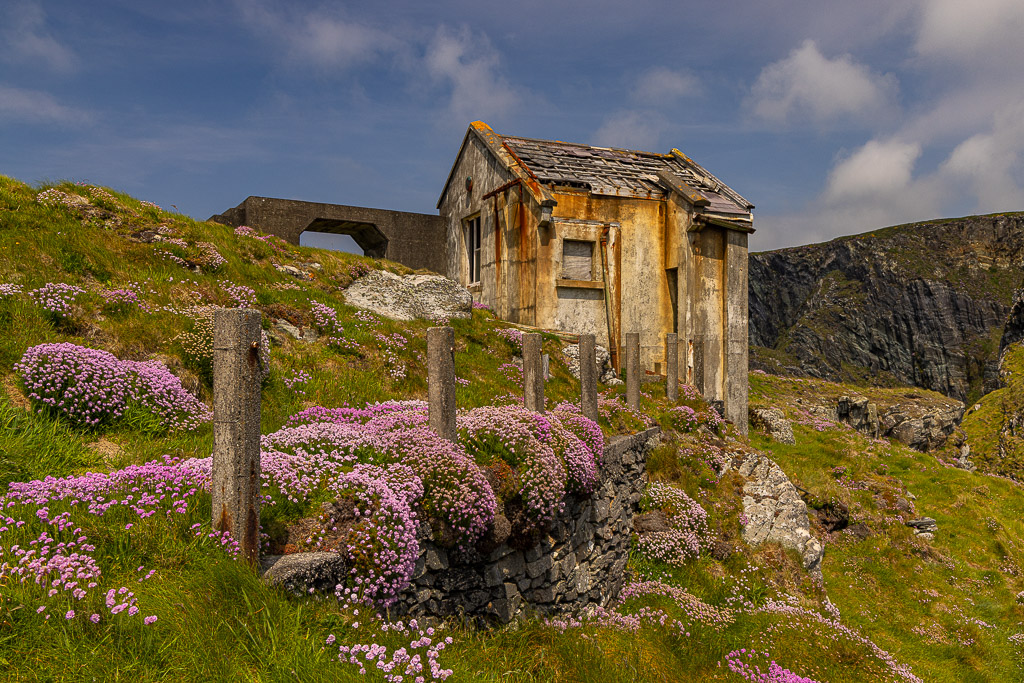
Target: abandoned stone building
[[577, 238], [608, 241]]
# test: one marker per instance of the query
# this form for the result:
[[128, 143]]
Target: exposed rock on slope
[[427, 297], [920, 304], [775, 512]]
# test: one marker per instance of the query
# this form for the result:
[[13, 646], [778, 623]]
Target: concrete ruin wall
[[416, 240], [581, 561]]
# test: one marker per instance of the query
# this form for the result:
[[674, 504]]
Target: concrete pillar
[[441, 381], [533, 373], [588, 376], [672, 366], [736, 342], [235, 477], [709, 337], [633, 369]]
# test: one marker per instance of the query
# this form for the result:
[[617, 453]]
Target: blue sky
[[831, 117]]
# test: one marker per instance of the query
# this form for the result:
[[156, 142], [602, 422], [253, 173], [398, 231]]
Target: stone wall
[[580, 562]]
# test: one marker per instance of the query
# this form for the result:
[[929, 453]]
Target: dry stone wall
[[580, 562]]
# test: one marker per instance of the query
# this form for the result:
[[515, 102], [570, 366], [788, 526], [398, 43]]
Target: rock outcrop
[[410, 297], [775, 511], [924, 424], [919, 304]]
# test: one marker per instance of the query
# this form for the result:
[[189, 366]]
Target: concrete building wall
[[416, 240], [637, 253]]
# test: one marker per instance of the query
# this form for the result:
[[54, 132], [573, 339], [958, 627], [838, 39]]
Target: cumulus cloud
[[873, 187], [806, 85], [972, 33], [879, 167], [469, 66], [35, 106], [661, 85], [992, 163], [26, 39]]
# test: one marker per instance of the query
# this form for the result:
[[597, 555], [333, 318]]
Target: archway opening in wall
[[348, 236]]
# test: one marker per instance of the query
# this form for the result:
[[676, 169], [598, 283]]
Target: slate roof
[[622, 172]]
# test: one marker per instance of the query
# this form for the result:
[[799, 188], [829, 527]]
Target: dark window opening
[[673, 294], [473, 248]]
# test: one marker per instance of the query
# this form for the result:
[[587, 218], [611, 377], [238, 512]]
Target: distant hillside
[[920, 304]]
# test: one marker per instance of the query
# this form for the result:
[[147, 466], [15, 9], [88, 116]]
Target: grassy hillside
[[704, 606]]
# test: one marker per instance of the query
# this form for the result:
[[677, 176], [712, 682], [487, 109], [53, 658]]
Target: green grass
[[218, 621]]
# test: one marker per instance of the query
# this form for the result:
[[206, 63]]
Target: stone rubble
[[921, 426], [775, 423], [604, 362], [925, 527]]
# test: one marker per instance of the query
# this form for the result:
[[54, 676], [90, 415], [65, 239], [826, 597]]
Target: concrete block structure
[[606, 242], [416, 240]]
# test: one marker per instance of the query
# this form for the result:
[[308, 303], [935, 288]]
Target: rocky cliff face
[[922, 304]]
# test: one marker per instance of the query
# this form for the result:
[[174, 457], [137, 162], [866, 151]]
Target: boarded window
[[577, 260]]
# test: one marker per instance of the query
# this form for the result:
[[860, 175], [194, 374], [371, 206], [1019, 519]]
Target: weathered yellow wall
[[639, 287]]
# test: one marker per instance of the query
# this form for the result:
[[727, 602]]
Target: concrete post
[[672, 369], [736, 315], [441, 381], [633, 369], [533, 373], [235, 485], [588, 375]]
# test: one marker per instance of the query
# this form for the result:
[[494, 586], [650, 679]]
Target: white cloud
[[972, 33], [632, 129], [806, 85], [26, 39], [992, 163], [873, 187], [661, 85], [35, 106], [877, 168], [465, 62]]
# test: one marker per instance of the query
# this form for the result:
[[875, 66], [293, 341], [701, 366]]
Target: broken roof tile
[[621, 171]]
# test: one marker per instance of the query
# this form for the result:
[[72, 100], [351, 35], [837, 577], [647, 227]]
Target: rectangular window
[[473, 248], [577, 260]]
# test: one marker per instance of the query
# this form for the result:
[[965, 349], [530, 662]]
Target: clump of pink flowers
[[119, 300], [55, 197], [8, 290], [91, 386], [748, 663], [688, 521], [57, 297], [241, 295]]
